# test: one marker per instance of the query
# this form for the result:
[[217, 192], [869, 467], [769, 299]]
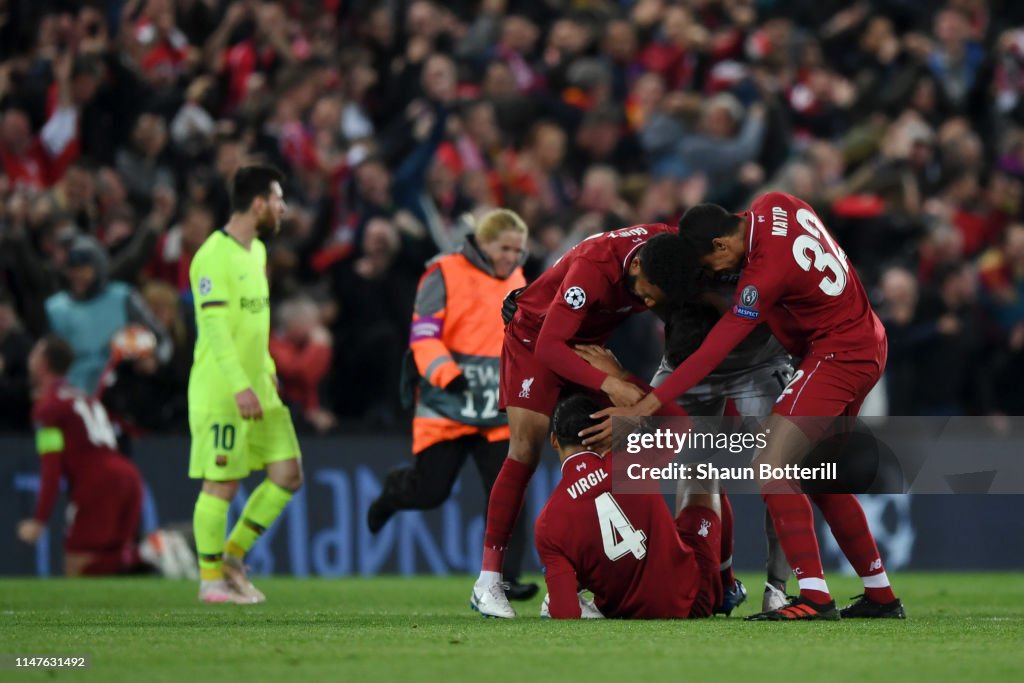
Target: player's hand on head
[[621, 392], [601, 358], [599, 437], [29, 530], [249, 405]]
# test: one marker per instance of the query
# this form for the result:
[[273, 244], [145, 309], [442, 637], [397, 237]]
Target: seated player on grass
[[626, 549]]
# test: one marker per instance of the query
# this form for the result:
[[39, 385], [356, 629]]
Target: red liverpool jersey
[[798, 281], [74, 439], [581, 299], [625, 548]]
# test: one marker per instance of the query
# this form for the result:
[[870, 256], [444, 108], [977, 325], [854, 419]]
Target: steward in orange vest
[[455, 341]]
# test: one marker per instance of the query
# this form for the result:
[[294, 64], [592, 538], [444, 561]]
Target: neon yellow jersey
[[232, 306]]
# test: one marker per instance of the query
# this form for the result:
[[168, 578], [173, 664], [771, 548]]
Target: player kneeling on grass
[[75, 440], [236, 416], [626, 549]]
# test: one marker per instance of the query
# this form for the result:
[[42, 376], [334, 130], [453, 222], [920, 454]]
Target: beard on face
[[267, 226]]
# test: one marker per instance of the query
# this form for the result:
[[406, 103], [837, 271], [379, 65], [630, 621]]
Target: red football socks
[[503, 510], [845, 517], [794, 524]]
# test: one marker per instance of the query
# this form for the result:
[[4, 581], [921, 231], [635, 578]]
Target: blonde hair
[[157, 294], [495, 222]]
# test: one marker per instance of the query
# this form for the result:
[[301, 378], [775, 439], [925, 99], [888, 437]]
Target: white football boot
[[219, 592], [489, 600], [774, 598], [237, 578], [588, 610]]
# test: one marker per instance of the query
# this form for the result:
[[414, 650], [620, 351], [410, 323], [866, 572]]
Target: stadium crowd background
[[900, 121]]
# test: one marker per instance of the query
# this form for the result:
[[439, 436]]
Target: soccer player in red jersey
[[626, 549], [579, 300], [75, 441], [797, 280]]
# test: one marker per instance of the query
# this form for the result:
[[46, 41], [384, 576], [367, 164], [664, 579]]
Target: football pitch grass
[[960, 627]]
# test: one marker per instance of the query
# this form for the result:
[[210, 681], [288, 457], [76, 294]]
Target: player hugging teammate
[[794, 278]]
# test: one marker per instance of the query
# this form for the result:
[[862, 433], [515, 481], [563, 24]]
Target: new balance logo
[[524, 392], [705, 526], [875, 564]]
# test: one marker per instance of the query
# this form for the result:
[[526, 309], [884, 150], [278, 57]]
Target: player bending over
[[796, 279], [236, 417], [626, 549], [580, 300], [75, 440]]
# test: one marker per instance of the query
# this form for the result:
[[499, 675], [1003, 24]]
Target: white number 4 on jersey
[[614, 525]]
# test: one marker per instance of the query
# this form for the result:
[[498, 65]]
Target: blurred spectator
[[898, 312], [302, 349], [175, 248], [952, 378], [374, 295], [146, 391], [142, 165], [92, 309], [15, 345]]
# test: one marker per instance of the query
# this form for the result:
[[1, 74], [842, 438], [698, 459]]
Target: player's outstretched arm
[[50, 447], [560, 325], [723, 338]]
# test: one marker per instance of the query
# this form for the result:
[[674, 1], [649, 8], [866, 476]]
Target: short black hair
[[58, 354], [250, 182], [572, 415], [662, 260], [704, 222]]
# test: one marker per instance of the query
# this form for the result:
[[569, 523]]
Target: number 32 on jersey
[[809, 251]]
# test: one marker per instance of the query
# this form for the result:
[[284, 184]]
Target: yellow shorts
[[228, 448]]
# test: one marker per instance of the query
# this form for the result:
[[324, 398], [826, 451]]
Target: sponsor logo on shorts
[[705, 526], [524, 391], [221, 460], [575, 297]]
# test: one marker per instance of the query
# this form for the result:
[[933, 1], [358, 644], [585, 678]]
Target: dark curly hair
[[572, 415], [686, 327], [704, 222], [666, 261]]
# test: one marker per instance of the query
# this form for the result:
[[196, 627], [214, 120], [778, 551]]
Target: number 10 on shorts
[[223, 437]]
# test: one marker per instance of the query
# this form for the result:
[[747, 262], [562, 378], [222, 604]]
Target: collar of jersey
[[231, 237], [596, 455]]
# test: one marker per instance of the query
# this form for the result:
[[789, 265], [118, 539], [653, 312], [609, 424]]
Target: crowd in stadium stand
[[900, 121]]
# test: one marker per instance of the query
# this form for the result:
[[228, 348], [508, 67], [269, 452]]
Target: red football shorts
[[701, 529], [107, 510], [526, 382], [826, 386]]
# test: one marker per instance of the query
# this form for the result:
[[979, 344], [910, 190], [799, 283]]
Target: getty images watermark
[[667, 440], [959, 455]]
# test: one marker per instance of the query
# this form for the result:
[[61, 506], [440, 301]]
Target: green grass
[[961, 626]]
